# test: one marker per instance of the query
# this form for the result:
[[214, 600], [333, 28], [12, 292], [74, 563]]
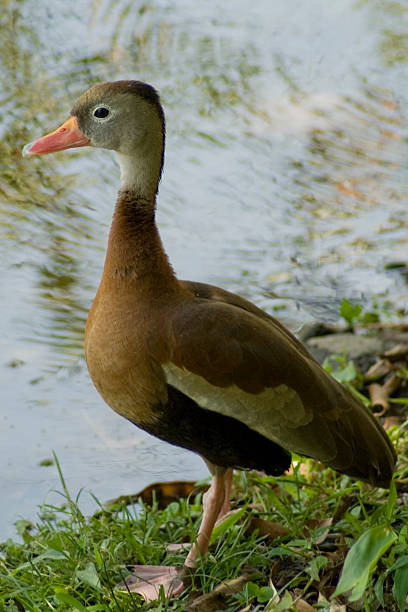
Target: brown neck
[[135, 251]]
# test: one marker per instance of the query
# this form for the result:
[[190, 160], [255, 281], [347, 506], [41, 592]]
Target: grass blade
[[224, 525]]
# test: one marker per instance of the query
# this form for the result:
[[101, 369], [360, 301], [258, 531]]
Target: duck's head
[[125, 116]]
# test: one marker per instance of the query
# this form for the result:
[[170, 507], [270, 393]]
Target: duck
[[191, 363]]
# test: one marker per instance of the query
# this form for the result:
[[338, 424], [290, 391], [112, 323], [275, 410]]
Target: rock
[[361, 349], [314, 329]]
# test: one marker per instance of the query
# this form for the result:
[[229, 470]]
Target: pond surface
[[285, 180]]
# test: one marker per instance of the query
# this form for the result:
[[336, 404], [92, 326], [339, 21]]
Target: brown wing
[[235, 359]]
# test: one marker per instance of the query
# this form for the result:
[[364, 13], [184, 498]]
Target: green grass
[[72, 562]]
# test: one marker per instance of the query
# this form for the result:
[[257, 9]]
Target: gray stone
[[361, 349]]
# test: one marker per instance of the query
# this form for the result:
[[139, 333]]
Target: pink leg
[[148, 579], [213, 502], [226, 506]]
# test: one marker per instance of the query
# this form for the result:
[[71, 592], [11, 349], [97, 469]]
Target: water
[[285, 181]]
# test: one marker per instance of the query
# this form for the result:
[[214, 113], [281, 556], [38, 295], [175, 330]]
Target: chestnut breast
[[124, 346]]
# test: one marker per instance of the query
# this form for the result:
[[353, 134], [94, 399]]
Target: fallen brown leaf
[[345, 503], [179, 547], [312, 525], [266, 528], [380, 368], [163, 492], [216, 599], [399, 351]]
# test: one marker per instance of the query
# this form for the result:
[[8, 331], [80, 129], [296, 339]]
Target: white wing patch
[[276, 412]]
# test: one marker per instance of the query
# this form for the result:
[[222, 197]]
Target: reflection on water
[[284, 180]]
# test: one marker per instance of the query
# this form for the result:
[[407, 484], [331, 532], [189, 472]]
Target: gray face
[[123, 116]]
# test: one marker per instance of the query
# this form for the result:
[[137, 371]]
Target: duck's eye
[[101, 112]]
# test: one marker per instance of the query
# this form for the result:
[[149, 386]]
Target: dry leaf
[[311, 525], [163, 492], [345, 502], [214, 600], [182, 546], [266, 528], [378, 369], [399, 351]]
